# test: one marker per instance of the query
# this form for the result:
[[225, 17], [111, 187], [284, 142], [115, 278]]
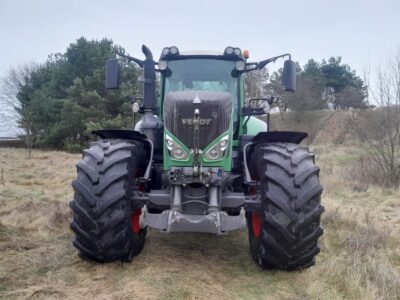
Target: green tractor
[[198, 161]]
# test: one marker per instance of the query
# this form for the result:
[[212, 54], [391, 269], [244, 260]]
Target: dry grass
[[360, 256]]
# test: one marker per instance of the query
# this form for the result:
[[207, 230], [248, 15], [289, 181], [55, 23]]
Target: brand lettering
[[202, 122]]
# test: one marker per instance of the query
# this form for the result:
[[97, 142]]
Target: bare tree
[[350, 97], [255, 83], [380, 128], [307, 97], [13, 121]]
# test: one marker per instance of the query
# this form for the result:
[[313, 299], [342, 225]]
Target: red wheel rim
[[135, 220], [256, 224], [252, 191]]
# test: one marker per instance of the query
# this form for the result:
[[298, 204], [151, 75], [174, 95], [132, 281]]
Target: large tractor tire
[[284, 230], [105, 221]]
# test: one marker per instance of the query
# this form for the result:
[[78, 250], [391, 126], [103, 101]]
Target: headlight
[[217, 152], [168, 52], [240, 65], [223, 143], [175, 151], [165, 51], [178, 153], [170, 145], [174, 50], [162, 65], [229, 50]]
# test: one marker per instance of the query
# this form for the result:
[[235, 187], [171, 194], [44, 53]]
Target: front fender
[[294, 137], [122, 134], [130, 135]]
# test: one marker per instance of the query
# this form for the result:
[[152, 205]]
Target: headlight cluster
[[169, 51], [175, 150], [217, 152], [233, 51], [236, 54]]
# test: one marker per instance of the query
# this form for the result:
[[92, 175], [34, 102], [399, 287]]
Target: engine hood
[[215, 109]]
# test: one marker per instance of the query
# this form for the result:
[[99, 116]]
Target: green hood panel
[[225, 163]]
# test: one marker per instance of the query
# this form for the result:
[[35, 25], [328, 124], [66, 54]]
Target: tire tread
[[101, 208], [291, 220]]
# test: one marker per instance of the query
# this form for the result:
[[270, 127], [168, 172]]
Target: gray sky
[[362, 32], [358, 30]]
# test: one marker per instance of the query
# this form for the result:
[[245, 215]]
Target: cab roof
[[201, 52], [173, 53]]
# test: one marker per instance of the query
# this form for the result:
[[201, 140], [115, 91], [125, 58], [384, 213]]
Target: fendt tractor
[[198, 161]]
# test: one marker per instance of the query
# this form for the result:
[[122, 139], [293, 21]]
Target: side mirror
[[113, 71], [289, 75]]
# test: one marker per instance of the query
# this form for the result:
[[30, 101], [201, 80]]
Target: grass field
[[359, 259]]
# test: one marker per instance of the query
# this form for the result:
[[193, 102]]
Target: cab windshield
[[203, 75]]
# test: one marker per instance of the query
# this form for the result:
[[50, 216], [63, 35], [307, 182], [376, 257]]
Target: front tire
[[105, 223], [284, 231]]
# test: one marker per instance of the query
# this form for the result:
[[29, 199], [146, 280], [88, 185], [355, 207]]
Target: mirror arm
[[269, 99], [130, 58], [263, 63], [248, 70]]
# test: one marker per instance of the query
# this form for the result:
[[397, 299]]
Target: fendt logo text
[[202, 122]]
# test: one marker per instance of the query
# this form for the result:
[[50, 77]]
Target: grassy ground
[[360, 257]]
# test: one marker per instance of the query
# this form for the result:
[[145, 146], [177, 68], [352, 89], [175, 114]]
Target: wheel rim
[[256, 224], [135, 220]]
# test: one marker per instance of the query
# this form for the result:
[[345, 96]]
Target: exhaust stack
[[149, 92], [150, 126]]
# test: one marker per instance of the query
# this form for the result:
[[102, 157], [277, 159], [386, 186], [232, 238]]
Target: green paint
[[255, 126], [168, 161], [225, 163]]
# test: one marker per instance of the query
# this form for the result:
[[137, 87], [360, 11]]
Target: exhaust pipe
[[150, 124], [149, 93]]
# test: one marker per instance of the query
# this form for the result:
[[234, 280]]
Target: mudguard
[[120, 134], [294, 137], [130, 135]]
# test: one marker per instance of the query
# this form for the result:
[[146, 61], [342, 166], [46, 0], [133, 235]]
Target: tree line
[[58, 103], [329, 84]]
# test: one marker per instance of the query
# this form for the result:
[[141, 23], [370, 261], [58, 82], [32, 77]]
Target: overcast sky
[[362, 32]]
